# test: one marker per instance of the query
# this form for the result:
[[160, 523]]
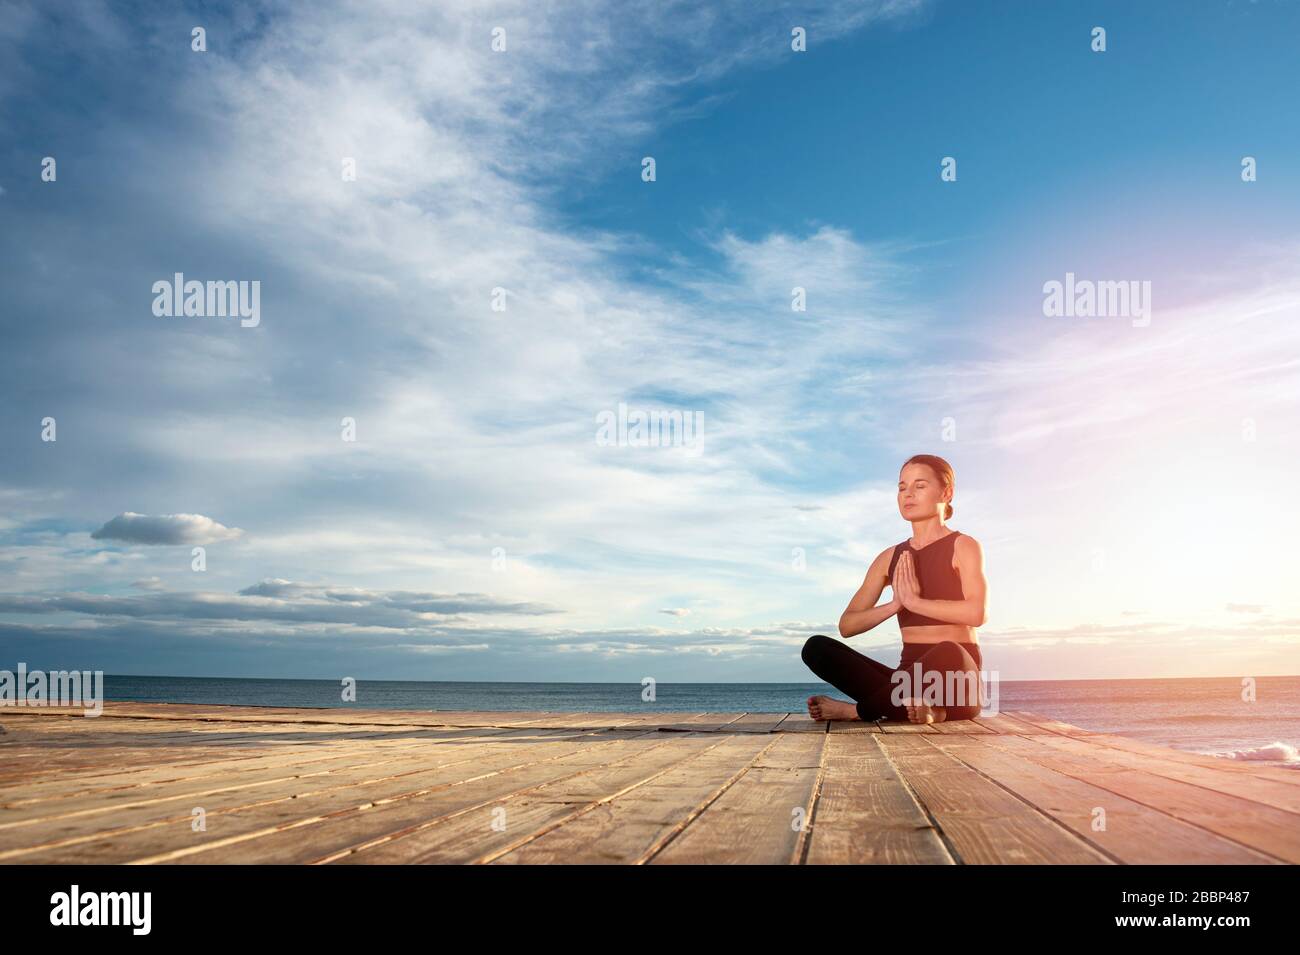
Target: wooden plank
[[703, 722], [41, 757], [897, 727], [961, 728], [800, 723], [470, 836], [865, 813], [586, 720], [322, 784], [652, 720], [105, 734], [1267, 792], [47, 760], [1050, 724], [345, 716], [1274, 832], [756, 723], [853, 726], [82, 791], [149, 729], [1246, 769], [1004, 724], [1130, 832], [147, 828], [352, 824], [302, 715], [755, 819], [69, 812], [632, 827], [681, 722], [981, 822]]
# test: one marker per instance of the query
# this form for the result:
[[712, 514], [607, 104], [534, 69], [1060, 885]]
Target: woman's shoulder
[[888, 557]]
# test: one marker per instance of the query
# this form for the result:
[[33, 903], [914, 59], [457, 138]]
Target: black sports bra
[[935, 574]]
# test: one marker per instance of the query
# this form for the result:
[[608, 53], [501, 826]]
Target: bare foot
[[919, 712], [829, 708]]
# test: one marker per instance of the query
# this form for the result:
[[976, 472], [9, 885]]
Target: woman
[[940, 598]]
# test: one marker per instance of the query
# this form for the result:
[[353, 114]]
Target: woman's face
[[920, 493]]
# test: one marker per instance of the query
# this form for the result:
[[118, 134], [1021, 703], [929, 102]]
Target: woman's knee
[[814, 647]]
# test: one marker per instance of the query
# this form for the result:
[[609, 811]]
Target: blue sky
[[476, 529]]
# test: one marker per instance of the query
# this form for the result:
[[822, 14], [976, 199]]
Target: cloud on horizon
[[279, 601], [385, 635]]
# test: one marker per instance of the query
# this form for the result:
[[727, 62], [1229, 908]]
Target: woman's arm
[[862, 613], [972, 609]]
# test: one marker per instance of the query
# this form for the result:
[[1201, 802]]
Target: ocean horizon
[[1203, 715]]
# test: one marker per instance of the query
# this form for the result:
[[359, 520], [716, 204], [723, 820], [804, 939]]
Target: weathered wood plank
[[1005, 723], [701, 723], [322, 836], [961, 728], [981, 822], [67, 795], [755, 820], [800, 723], [320, 784], [1049, 724], [1274, 832], [756, 723], [1129, 831], [1267, 792], [304, 715], [1244, 768], [471, 837], [633, 827], [897, 727], [149, 826], [853, 726], [865, 814]]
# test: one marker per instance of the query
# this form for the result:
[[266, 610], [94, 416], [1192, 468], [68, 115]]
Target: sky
[[398, 470]]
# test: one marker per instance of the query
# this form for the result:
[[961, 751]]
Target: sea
[[1201, 715]]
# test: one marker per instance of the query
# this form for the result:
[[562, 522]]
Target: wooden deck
[[384, 786]]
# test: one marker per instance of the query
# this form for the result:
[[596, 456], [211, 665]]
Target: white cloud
[[133, 528]]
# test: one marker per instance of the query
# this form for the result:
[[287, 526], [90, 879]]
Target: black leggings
[[871, 684]]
